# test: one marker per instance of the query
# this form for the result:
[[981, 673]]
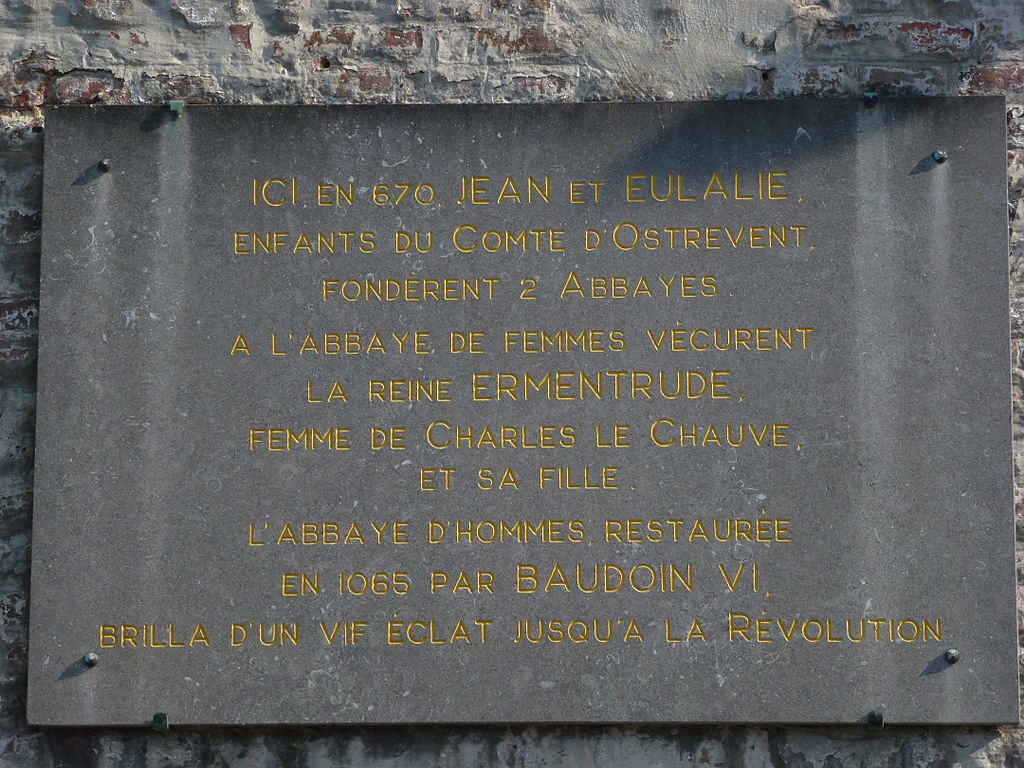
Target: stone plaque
[[566, 413]]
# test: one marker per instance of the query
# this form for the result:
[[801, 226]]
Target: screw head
[[870, 98], [104, 165], [90, 659], [939, 156], [952, 656]]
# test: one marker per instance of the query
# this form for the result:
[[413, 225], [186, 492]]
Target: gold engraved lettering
[[471, 342], [392, 438], [430, 480], [716, 187], [488, 479], [666, 432], [337, 393], [294, 584], [422, 242], [352, 343], [410, 390], [434, 632], [541, 341], [691, 384], [351, 631], [605, 577], [275, 192], [256, 242], [637, 531], [627, 236], [626, 287], [612, 436], [468, 582], [478, 190], [331, 533], [335, 194], [255, 541], [578, 192], [410, 289], [671, 187], [579, 478], [305, 439], [683, 339], [577, 630], [742, 626], [240, 345], [442, 435], [275, 633], [467, 238], [305, 242], [502, 531], [376, 583], [775, 185], [394, 194], [695, 632], [732, 581], [150, 636]]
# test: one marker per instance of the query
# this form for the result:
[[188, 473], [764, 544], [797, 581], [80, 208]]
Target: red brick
[[822, 81], [530, 40], [334, 36], [915, 37], [241, 34], [397, 37], [87, 87], [935, 37], [993, 79], [368, 84], [21, 88]]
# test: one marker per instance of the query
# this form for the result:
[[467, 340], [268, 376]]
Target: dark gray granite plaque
[[576, 413]]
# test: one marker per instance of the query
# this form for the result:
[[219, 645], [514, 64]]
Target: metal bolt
[[104, 164], [876, 719], [952, 655], [90, 659], [870, 98], [939, 156], [177, 107], [160, 722]]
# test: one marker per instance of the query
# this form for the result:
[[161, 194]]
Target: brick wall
[[366, 51]]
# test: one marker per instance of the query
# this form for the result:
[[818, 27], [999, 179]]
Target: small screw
[[870, 98], [90, 659], [160, 722], [104, 165], [939, 156], [177, 107], [876, 719], [952, 655]]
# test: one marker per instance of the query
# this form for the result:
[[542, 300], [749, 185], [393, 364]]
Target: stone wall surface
[[370, 51]]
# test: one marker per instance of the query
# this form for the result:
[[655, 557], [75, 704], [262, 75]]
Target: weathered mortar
[[353, 51]]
